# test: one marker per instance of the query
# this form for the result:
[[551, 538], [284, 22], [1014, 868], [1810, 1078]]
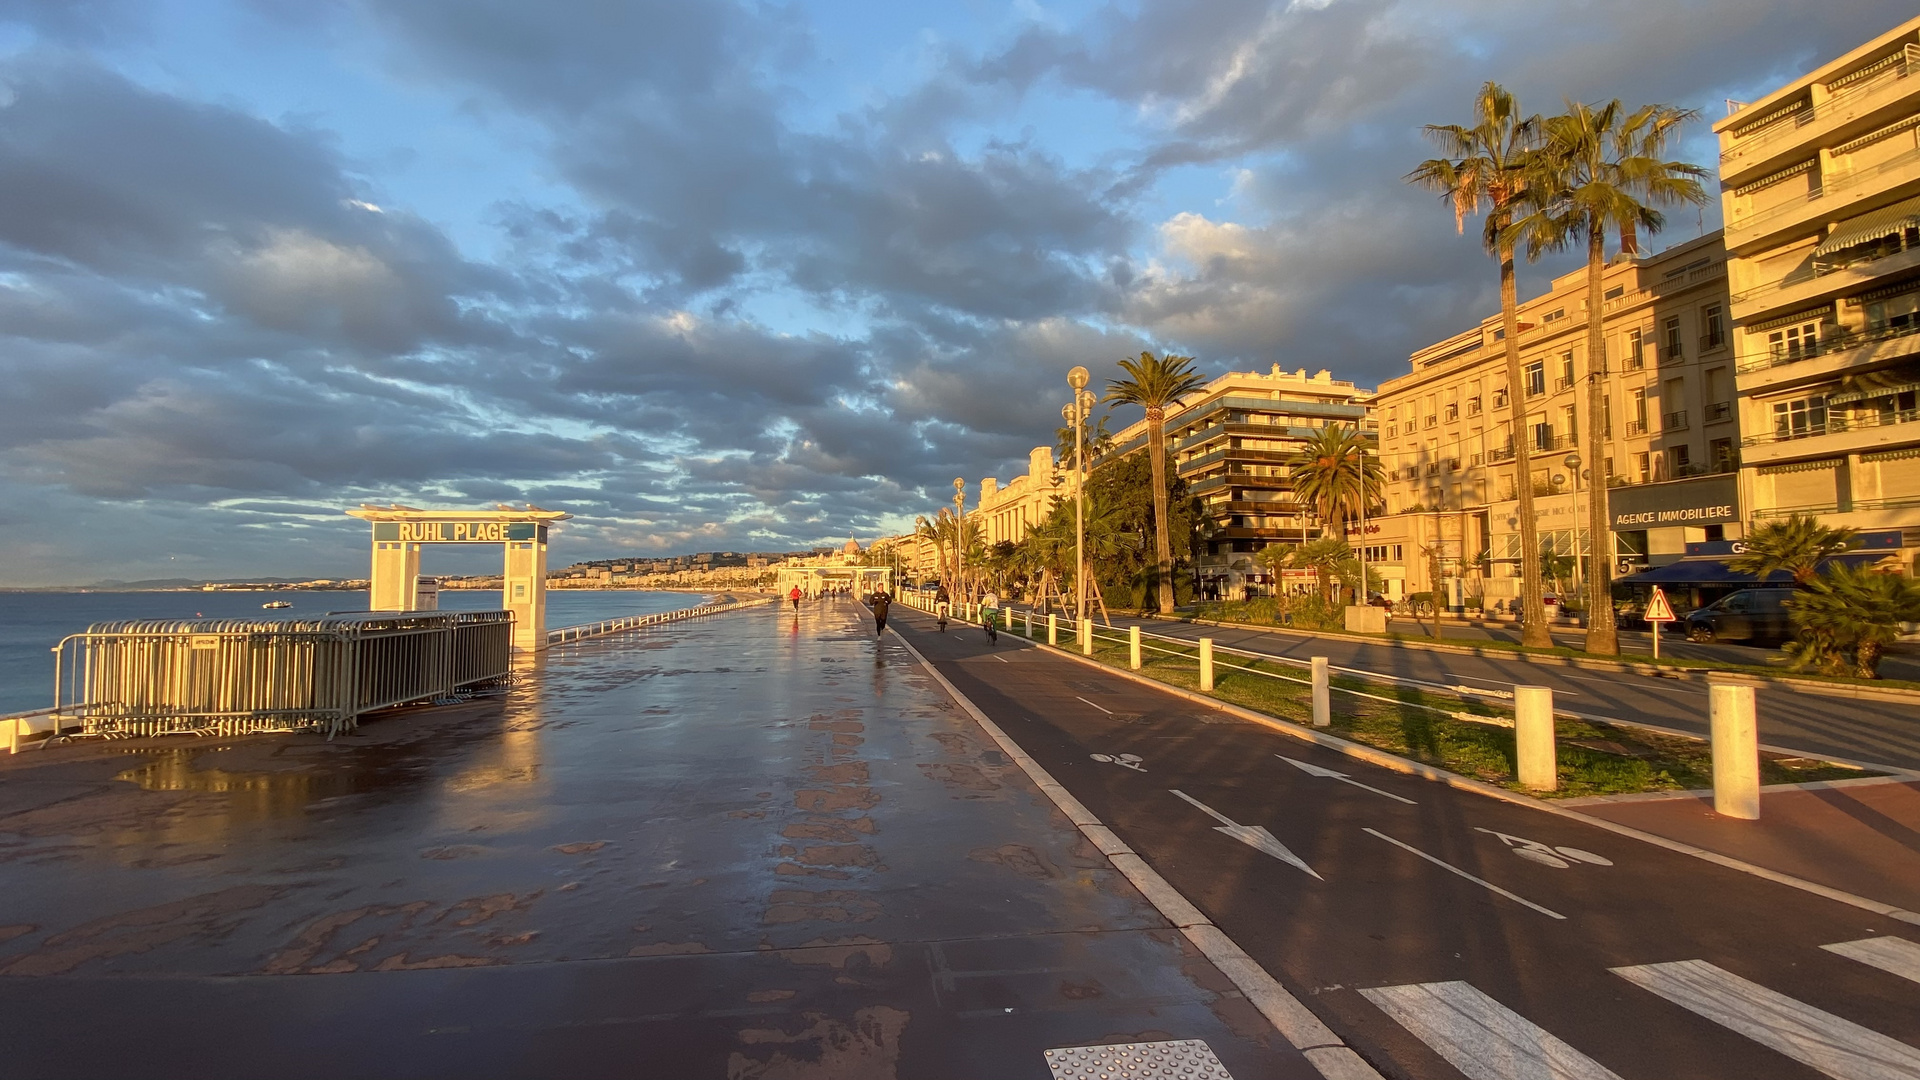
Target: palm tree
[[1795, 545], [1486, 168], [1851, 610], [1601, 168], [1154, 383], [1335, 475]]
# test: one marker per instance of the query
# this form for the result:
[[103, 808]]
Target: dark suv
[[1748, 615]]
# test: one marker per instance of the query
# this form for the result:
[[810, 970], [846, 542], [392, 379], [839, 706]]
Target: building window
[[1720, 455], [1432, 420], [1636, 351], [1453, 411], [1682, 460], [1638, 425], [1640, 465], [1542, 435], [1791, 342], [1716, 330], [1392, 431], [1536, 378], [1800, 417], [1672, 350], [1570, 422], [1500, 398], [1473, 405], [1566, 370]]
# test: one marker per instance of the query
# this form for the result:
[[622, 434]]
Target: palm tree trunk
[[1533, 606], [1602, 637], [1162, 532]]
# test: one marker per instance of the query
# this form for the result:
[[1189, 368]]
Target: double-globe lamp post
[[1076, 416], [959, 539]]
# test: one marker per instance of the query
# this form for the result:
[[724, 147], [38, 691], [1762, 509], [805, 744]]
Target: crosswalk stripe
[[1818, 1039], [1898, 955], [1481, 1037]]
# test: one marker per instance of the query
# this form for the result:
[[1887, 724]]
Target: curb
[[1632, 667], [1295, 1022], [1454, 780]]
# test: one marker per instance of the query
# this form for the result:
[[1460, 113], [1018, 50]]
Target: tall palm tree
[[1796, 545], [1335, 475], [1601, 168], [1485, 168], [1154, 383]]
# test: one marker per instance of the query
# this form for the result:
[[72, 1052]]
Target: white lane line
[[1002, 659], [1330, 774], [1482, 1038], [1102, 708], [1477, 881], [1817, 1039], [1898, 955]]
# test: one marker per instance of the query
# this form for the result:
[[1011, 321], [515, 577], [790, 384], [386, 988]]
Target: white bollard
[[1053, 628], [1736, 750], [1133, 647], [1533, 737], [1206, 664], [1322, 696], [1029, 618], [1086, 637]]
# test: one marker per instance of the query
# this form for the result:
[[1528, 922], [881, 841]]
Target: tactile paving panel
[[1181, 1059]]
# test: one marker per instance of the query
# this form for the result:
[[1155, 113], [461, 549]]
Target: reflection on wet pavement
[[755, 846]]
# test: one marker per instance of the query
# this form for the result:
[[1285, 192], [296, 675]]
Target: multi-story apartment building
[[1821, 194], [1452, 443], [1233, 441]]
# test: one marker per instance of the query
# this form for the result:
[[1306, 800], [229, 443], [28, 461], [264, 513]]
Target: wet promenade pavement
[[760, 845]]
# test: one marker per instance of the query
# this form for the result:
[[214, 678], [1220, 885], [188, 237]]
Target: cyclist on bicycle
[[989, 610], [941, 604]]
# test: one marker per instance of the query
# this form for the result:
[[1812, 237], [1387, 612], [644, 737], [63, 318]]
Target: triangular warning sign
[[1658, 610]]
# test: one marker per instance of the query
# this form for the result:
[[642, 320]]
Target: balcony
[[1563, 383], [1672, 353], [1810, 283], [1718, 411], [1556, 442], [1476, 459], [1765, 148], [1836, 199], [1673, 421], [1452, 464], [1433, 468], [1841, 434], [1848, 351], [1636, 427], [1499, 454], [1710, 342], [1636, 360]]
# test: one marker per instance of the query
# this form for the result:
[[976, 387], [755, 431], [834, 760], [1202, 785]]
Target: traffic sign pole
[[1658, 612]]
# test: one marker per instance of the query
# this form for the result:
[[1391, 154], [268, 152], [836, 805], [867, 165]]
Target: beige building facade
[[1007, 512], [1821, 195], [1454, 448]]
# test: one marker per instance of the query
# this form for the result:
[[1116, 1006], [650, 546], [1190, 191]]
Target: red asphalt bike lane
[[1383, 891]]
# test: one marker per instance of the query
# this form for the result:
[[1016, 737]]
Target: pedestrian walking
[[795, 597], [989, 611], [881, 601], [941, 604]]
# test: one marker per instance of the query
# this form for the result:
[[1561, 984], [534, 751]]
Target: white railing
[[639, 622]]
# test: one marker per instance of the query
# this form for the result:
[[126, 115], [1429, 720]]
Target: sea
[[32, 623]]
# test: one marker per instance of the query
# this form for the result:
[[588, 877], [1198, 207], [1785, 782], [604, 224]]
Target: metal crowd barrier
[[238, 677], [636, 622]]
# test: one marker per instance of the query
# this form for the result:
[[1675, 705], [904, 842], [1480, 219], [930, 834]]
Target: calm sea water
[[32, 623]]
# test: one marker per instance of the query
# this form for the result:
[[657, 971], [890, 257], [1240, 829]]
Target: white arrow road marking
[[1315, 770], [1125, 761], [1253, 836], [1535, 851], [1482, 882]]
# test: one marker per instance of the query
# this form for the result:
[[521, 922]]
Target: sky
[[720, 275]]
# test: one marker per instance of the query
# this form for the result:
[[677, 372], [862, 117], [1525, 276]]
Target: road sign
[[1658, 610]]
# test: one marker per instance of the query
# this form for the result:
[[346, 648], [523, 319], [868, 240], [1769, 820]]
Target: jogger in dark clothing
[[881, 601]]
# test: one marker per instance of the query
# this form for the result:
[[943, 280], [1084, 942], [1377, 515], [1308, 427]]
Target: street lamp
[[1572, 462], [959, 538], [1077, 378]]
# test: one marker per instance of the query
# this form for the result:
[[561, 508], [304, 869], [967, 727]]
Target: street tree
[[1796, 544], [1334, 475], [1847, 616], [1154, 383]]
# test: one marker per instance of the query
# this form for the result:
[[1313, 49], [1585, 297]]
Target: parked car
[[1748, 615]]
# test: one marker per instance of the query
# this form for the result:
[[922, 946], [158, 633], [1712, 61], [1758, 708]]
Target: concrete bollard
[[1206, 665], [1053, 628], [1735, 732], [1533, 737], [1029, 620], [1086, 637], [1133, 647], [1322, 696]]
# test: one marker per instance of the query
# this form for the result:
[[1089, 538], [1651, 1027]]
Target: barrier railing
[[637, 622], [238, 677]]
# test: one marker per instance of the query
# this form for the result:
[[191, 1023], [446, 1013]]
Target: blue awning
[[1716, 572]]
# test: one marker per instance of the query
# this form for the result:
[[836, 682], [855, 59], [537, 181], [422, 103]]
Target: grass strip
[[1593, 759]]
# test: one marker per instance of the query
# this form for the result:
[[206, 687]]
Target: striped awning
[[1884, 222], [1876, 384]]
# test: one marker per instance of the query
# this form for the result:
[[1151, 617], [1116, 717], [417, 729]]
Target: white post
[[1086, 637], [1206, 664], [1029, 619], [1533, 737], [1736, 750], [1322, 696], [1053, 628], [1133, 647]]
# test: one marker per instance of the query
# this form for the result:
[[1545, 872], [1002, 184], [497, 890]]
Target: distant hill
[[189, 583]]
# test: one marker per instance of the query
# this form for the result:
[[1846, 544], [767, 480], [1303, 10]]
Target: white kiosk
[[400, 531]]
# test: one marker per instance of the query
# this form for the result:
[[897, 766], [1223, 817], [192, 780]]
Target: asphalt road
[[1849, 729], [1406, 915]]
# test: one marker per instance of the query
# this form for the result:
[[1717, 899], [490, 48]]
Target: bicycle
[[988, 617], [940, 615]]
